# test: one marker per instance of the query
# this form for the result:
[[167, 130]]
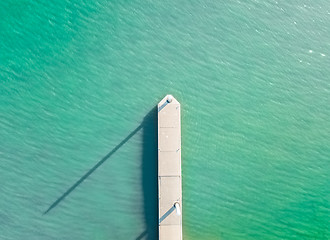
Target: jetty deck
[[169, 169]]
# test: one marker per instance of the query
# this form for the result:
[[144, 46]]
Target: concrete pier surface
[[169, 169]]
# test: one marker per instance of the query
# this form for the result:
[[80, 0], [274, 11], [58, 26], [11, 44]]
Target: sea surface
[[79, 82]]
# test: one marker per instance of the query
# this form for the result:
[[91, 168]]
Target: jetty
[[169, 169]]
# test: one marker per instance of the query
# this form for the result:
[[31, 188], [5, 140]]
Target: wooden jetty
[[169, 169]]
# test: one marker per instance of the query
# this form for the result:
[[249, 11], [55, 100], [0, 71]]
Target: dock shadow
[[149, 173], [90, 171]]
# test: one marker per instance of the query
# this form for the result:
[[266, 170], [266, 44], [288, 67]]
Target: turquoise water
[[79, 81]]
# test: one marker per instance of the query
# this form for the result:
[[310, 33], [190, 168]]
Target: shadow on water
[[61, 198], [149, 174]]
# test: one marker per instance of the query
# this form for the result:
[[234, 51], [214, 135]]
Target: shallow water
[[79, 84]]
